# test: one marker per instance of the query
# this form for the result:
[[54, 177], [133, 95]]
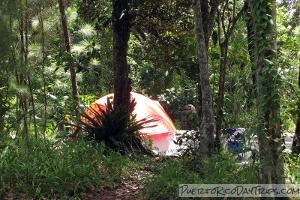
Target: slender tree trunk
[[4, 89], [121, 33], [296, 141], [207, 127], [23, 102], [208, 10], [250, 34], [267, 88], [227, 30], [41, 20], [28, 75], [223, 65], [64, 23], [221, 93], [33, 114]]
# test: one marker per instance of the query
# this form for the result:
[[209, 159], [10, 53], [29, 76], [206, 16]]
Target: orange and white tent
[[161, 130]]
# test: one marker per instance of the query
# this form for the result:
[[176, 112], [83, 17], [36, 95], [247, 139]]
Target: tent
[[162, 130]]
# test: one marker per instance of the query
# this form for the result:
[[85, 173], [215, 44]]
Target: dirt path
[[124, 191], [130, 188]]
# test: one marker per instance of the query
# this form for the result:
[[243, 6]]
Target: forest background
[[240, 57]]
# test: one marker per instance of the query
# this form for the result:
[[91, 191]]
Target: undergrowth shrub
[[43, 169], [292, 168], [165, 183], [224, 168], [220, 169]]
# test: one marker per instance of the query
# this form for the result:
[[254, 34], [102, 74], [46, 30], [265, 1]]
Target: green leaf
[[257, 12], [268, 61], [167, 73]]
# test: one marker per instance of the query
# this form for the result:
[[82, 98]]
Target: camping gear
[[236, 139], [161, 131]]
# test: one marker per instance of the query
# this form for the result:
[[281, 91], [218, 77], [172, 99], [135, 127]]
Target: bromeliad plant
[[111, 126]]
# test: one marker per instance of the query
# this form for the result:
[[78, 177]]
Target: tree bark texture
[[267, 88], [207, 127], [64, 22], [121, 33], [208, 10]]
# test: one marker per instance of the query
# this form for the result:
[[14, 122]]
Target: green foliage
[[268, 82], [111, 126], [175, 98], [41, 169], [221, 169], [165, 184], [224, 169], [289, 44], [292, 168]]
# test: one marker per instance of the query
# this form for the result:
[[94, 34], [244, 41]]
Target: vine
[[267, 90]]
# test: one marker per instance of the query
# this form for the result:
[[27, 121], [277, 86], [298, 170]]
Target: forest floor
[[131, 187]]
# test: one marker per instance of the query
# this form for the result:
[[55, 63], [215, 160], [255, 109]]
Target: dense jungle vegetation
[[237, 62]]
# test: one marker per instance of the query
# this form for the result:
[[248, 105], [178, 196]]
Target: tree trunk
[[64, 23], [267, 88], [121, 33], [122, 15], [45, 102], [3, 98], [208, 10], [221, 93], [22, 77], [250, 34], [227, 30], [207, 127]]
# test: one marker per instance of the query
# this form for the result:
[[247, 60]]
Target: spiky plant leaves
[[111, 126]]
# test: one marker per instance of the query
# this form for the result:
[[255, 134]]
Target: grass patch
[[42, 169], [165, 183], [221, 169]]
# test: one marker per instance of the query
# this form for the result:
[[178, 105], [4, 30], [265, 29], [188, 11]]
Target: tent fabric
[[161, 131]]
